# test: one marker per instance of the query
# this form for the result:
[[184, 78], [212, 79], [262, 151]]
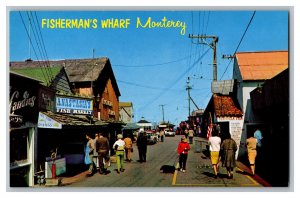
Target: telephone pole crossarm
[[213, 45]]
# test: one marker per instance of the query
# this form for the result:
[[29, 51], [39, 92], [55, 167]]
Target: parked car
[[151, 138], [169, 133]]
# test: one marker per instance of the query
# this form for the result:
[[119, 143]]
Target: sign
[[46, 122], [73, 105], [60, 167], [18, 102]]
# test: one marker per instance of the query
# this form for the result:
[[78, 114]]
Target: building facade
[[126, 112]]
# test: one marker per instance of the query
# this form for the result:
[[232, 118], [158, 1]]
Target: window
[[19, 145]]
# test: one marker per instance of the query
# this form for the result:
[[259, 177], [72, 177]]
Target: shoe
[[122, 170], [101, 172], [106, 172], [215, 176], [89, 174], [183, 171], [118, 171]]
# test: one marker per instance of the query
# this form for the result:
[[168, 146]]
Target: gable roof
[[38, 73], [261, 65], [125, 104], [84, 70], [225, 106], [78, 70]]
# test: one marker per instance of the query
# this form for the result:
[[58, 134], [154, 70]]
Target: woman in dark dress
[[228, 149]]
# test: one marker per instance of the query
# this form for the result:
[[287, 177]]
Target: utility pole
[[213, 45], [188, 88], [162, 108]]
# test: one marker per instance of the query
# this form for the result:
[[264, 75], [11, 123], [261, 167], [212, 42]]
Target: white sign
[[46, 122]]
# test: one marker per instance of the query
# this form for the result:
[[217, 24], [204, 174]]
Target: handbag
[[87, 156]]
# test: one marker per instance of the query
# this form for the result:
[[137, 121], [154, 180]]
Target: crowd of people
[[222, 150]]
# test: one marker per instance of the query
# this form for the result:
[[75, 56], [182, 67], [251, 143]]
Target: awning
[[52, 120], [131, 126]]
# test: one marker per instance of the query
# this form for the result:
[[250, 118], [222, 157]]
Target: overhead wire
[[37, 40], [249, 23], [43, 43], [152, 65], [30, 40], [176, 80]]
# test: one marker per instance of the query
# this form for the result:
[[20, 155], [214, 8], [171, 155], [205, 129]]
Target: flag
[[210, 127]]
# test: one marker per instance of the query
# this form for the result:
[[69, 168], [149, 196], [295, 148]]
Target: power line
[[173, 83], [37, 40], [239, 43], [43, 43], [33, 47], [146, 86], [153, 65]]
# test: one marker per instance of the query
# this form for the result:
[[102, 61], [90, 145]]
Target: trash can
[[197, 146]]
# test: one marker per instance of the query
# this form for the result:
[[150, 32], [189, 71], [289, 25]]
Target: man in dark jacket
[[142, 146], [102, 146]]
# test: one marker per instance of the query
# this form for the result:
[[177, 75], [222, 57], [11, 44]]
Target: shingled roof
[[78, 70], [262, 65], [225, 106], [72, 120], [38, 73]]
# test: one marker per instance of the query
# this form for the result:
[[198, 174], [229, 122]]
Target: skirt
[[214, 157], [251, 157]]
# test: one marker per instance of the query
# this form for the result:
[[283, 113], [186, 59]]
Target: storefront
[[63, 131], [23, 119]]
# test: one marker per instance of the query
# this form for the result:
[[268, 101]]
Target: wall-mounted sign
[[46, 122], [107, 102], [73, 105], [18, 102]]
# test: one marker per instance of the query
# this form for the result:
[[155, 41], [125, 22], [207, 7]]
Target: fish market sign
[[73, 105]]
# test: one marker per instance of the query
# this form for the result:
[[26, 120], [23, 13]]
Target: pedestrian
[[91, 147], [102, 146], [182, 150], [186, 133], [228, 149], [251, 143], [191, 135], [119, 147], [158, 135], [162, 134], [95, 157], [142, 146], [214, 143], [128, 148]]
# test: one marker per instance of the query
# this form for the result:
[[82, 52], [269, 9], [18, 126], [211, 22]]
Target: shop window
[[19, 146]]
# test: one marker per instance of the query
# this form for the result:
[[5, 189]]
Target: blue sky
[[152, 65]]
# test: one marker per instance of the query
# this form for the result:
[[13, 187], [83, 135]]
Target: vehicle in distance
[[169, 133], [151, 137]]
